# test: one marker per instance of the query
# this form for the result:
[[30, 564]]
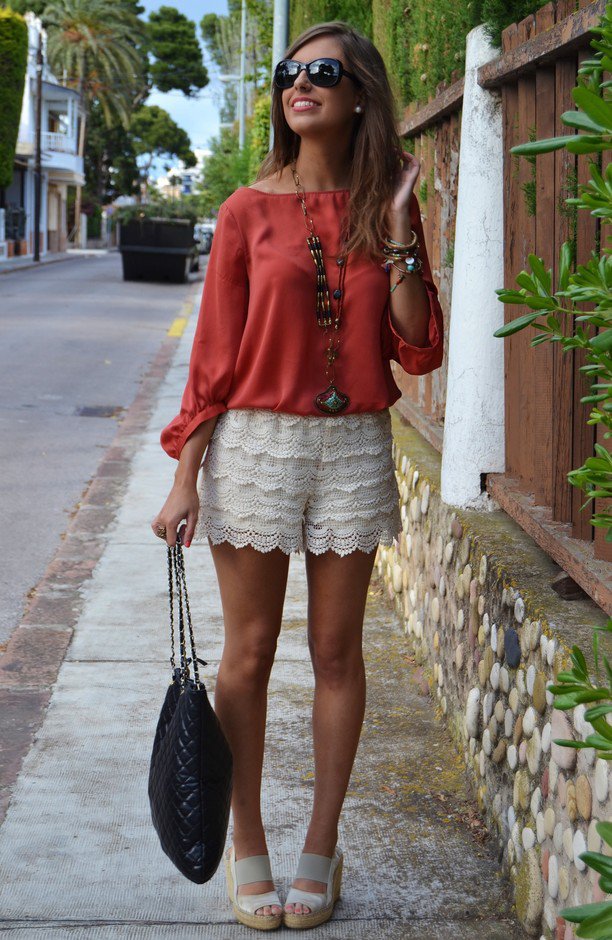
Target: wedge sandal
[[316, 868], [244, 871]]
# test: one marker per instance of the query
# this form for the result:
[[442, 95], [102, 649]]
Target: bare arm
[[183, 502], [409, 304]]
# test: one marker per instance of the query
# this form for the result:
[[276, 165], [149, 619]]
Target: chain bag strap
[[191, 767], [177, 592]]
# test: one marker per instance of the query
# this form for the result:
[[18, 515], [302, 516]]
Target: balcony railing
[[61, 143], [50, 142]]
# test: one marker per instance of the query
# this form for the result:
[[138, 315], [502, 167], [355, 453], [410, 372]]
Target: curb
[[36, 648], [27, 266]]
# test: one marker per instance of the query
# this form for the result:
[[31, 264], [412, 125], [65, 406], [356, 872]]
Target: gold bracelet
[[391, 243]]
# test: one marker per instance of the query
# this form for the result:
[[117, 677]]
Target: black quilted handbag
[[190, 775]]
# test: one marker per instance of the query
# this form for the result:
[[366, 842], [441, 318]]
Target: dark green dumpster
[[157, 249]]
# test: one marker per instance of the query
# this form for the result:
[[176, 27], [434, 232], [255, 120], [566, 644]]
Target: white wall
[[474, 416]]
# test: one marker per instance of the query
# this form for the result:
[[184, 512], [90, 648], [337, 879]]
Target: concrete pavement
[[76, 340], [8, 265], [78, 855]]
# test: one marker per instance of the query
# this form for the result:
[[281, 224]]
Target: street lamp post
[[227, 77], [241, 88], [37, 151], [280, 39]]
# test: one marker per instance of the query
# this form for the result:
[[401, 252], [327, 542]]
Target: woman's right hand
[[182, 504]]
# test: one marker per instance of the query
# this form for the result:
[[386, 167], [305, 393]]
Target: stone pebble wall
[[489, 663]]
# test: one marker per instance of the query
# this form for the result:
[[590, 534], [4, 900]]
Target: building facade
[[61, 166]]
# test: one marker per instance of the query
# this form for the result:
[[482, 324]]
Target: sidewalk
[[79, 857], [53, 257]]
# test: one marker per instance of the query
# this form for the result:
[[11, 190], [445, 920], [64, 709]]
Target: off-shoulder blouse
[[257, 342]]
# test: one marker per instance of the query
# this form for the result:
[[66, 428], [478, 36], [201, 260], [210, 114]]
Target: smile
[[304, 105]]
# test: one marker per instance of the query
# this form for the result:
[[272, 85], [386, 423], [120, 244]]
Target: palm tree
[[95, 44]]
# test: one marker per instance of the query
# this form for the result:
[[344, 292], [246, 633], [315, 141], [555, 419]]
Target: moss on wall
[[421, 41]]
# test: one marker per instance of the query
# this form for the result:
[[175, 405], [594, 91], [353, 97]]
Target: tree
[[111, 169], [92, 41], [177, 55], [155, 134], [13, 62], [221, 36], [225, 170]]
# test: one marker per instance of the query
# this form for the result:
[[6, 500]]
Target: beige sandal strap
[[254, 868], [252, 902], [314, 867]]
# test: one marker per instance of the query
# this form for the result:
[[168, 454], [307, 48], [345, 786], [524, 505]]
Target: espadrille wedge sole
[[244, 871], [316, 868]]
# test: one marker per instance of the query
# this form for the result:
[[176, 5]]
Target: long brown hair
[[375, 144]]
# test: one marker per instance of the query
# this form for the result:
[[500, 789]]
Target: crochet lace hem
[[317, 542]]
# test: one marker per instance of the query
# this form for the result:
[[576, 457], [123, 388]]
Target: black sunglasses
[[325, 73]]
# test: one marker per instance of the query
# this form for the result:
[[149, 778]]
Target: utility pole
[[241, 88], [280, 39], [37, 153]]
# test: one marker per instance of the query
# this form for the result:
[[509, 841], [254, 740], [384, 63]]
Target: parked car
[[203, 233]]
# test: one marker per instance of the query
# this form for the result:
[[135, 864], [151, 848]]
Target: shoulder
[[239, 203]]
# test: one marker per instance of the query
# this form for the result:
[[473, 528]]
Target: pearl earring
[[358, 109]]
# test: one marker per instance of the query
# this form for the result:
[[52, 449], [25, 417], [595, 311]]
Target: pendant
[[331, 401]]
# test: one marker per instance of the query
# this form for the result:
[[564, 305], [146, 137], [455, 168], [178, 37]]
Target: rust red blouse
[[257, 343]]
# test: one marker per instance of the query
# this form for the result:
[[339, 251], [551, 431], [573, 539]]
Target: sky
[[198, 116]]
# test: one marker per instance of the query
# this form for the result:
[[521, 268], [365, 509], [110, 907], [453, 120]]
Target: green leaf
[[602, 342], [586, 144], [605, 884], [579, 661], [539, 339], [577, 745], [515, 325], [577, 914], [598, 927], [563, 702], [567, 677], [598, 862], [604, 828], [590, 695], [543, 275], [595, 107], [565, 261], [599, 742], [535, 147], [582, 121], [510, 296], [598, 711], [540, 303]]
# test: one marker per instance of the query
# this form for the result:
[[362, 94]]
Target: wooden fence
[[435, 130], [546, 428]]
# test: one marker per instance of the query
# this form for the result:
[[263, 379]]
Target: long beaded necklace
[[331, 400]]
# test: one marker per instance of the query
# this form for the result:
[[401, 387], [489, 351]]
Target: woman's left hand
[[410, 171]]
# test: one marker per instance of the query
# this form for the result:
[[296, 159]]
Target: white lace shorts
[[277, 480]]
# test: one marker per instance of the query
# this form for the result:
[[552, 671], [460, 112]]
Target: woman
[[288, 392]]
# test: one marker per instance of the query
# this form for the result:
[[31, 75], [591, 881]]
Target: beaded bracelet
[[402, 251], [412, 265]]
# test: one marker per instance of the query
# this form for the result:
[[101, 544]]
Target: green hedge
[[421, 41], [13, 61], [355, 12], [260, 134]]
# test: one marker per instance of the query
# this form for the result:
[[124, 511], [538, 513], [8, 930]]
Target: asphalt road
[[73, 336]]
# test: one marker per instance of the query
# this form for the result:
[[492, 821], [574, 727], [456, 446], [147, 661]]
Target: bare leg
[[252, 586], [337, 594]]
